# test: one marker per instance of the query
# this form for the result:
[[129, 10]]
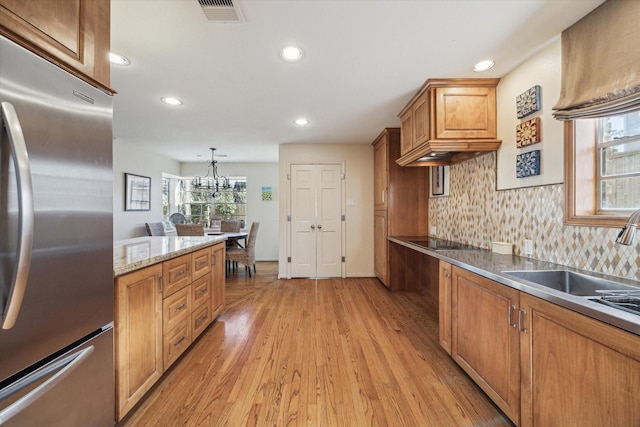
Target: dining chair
[[155, 229], [190, 229], [246, 255], [229, 226]]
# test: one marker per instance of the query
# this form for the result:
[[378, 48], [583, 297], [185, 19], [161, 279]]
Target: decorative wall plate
[[528, 132], [528, 102], [528, 164]]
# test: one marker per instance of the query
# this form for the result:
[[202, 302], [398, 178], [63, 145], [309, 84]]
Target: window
[[602, 169], [618, 161], [199, 206]]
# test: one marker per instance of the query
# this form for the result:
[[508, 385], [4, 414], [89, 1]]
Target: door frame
[[343, 204]]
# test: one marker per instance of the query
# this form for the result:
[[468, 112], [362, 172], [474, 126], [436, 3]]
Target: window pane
[[617, 127], [620, 193], [620, 159]]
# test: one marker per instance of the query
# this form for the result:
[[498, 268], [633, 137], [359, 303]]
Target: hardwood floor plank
[[334, 352]]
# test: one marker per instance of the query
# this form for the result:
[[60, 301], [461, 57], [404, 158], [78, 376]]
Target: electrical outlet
[[432, 230], [528, 248]]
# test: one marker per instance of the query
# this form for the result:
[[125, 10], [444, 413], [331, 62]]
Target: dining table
[[232, 236]]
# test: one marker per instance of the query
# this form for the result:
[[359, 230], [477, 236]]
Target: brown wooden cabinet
[[138, 335], [454, 118], [484, 341], [160, 311], [217, 279], [444, 305], [73, 34], [401, 200], [576, 370], [540, 363]]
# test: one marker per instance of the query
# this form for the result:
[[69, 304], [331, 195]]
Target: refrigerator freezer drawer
[[83, 396]]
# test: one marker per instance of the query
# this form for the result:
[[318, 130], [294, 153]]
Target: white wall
[[541, 69], [358, 160], [266, 212], [128, 158]]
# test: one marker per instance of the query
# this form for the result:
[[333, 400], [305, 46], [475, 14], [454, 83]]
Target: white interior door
[[316, 220]]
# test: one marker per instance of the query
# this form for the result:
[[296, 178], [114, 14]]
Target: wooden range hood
[[449, 121]]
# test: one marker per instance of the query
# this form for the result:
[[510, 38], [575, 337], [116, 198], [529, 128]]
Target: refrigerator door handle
[[64, 367], [9, 120]]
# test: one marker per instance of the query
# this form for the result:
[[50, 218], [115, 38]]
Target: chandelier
[[212, 183]]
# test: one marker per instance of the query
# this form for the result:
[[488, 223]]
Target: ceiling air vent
[[223, 11]]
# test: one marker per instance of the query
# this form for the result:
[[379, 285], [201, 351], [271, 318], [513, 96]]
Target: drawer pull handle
[[200, 320], [202, 291], [521, 325], [511, 322], [178, 308], [177, 343], [179, 274]]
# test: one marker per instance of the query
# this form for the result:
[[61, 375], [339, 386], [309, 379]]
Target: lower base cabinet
[[160, 311], [542, 364]]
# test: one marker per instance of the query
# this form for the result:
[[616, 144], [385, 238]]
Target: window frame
[[581, 201]]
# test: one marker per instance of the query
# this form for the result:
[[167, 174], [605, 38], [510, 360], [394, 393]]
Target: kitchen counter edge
[[491, 265], [133, 254]]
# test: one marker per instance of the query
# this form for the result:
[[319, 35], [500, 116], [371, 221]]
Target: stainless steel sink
[[571, 282]]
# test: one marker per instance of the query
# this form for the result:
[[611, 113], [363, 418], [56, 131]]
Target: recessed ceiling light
[[291, 54], [483, 66], [117, 59], [171, 100], [301, 121]]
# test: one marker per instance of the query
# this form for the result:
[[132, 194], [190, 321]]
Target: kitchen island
[[168, 290]]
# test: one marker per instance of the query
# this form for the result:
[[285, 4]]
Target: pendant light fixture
[[212, 183]]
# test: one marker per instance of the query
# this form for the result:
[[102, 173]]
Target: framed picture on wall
[[137, 190]]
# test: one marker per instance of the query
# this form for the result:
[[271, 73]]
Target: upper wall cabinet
[[73, 34], [448, 121]]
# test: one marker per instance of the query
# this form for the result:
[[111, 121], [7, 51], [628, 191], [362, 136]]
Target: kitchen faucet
[[629, 230]]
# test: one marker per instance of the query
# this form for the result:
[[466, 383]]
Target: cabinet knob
[[319, 226]]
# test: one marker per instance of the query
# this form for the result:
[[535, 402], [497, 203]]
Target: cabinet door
[[74, 34], [444, 302], [381, 251], [138, 335], [406, 132], [176, 274], [217, 280], [485, 337], [200, 263], [576, 370], [176, 308], [465, 113], [380, 172], [421, 120]]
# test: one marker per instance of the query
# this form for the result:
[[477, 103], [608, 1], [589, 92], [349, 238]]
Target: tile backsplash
[[476, 214]]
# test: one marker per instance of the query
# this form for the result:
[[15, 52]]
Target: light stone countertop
[[493, 266], [133, 254]]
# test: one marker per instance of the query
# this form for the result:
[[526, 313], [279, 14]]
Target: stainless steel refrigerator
[[56, 246]]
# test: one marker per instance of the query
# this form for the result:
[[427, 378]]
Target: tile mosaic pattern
[[528, 164], [476, 214], [528, 102], [528, 132]]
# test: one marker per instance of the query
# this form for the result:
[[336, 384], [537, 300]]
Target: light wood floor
[[317, 353]]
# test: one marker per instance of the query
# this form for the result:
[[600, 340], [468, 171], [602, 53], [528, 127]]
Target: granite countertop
[[492, 265], [133, 254]]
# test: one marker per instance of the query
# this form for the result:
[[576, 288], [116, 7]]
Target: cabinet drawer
[[201, 263], [176, 341], [176, 274], [200, 319], [201, 292], [176, 308]]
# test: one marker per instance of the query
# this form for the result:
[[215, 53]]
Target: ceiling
[[363, 61]]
